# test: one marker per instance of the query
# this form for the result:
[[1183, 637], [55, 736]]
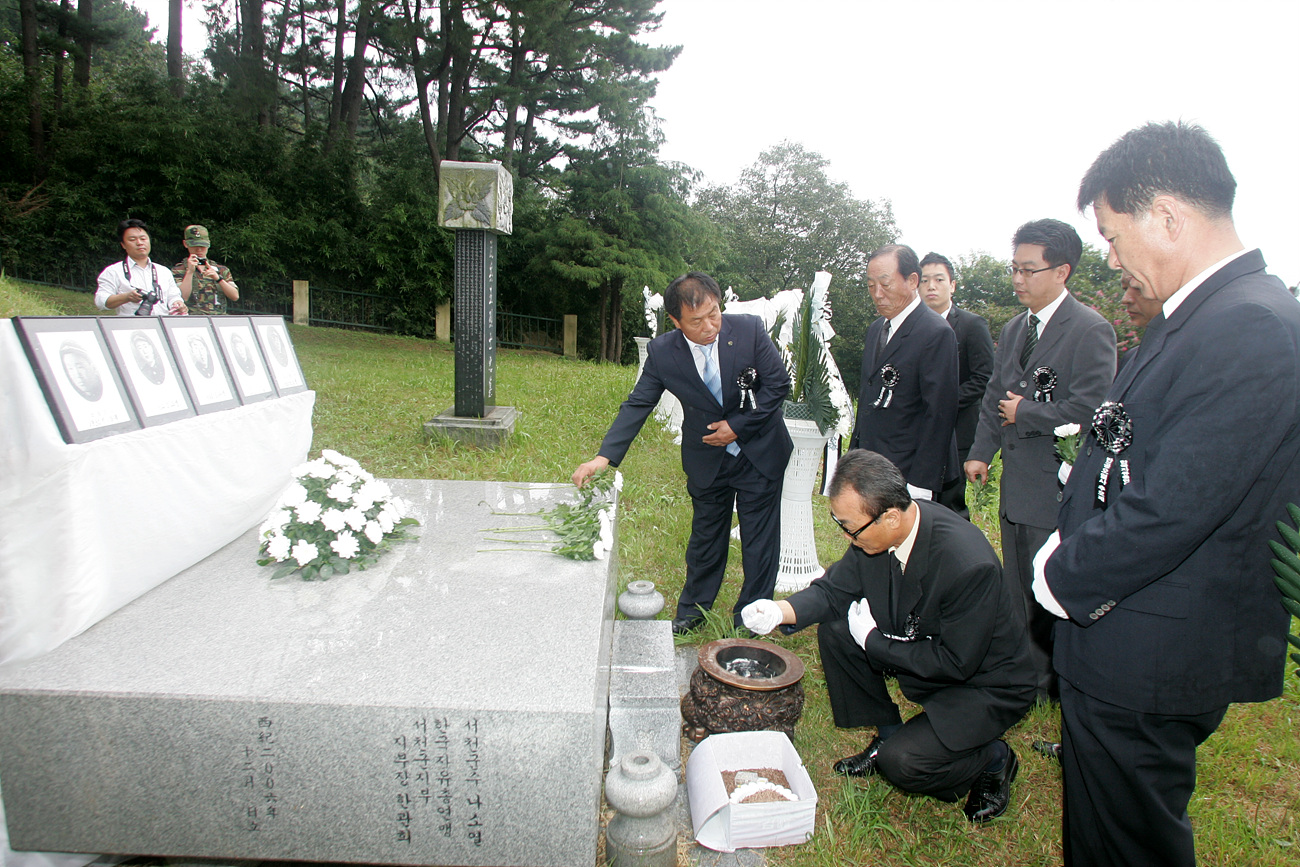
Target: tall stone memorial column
[[476, 200]]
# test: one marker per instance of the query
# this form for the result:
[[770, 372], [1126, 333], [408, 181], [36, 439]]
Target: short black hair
[[904, 255], [876, 481], [1177, 159], [938, 259], [692, 289], [131, 224], [1061, 244]]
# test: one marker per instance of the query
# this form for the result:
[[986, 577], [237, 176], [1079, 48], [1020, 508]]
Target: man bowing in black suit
[[974, 364], [919, 596], [907, 406], [1162, 570], [731, 381]]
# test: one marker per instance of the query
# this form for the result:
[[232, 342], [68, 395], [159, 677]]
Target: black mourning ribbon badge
[[1113, 428], [888, 380], [1044, 384], [747, 381]]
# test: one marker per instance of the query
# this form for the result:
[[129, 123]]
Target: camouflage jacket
[[206, 299]]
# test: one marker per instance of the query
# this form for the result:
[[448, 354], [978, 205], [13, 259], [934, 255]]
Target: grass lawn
[[373, 394]]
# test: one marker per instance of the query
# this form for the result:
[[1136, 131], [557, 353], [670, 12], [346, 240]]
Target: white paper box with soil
[[725, 827]]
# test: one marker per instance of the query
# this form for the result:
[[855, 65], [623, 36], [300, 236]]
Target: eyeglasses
[[1012, 270], [853, 534]]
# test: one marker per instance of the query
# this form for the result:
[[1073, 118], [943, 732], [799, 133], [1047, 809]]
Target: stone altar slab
[[446, 706]]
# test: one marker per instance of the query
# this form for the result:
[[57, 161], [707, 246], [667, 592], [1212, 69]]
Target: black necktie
[[884, 341], [1031, 340]]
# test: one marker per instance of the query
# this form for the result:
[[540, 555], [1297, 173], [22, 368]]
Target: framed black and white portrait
[[203, 369], [72, 363], [148, 370], [277, 348], [243, 355]]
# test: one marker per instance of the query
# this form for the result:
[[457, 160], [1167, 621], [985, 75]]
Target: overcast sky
[[974, 117]]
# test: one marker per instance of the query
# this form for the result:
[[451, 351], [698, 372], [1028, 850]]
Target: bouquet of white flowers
[[1067, 443], [585, 528], [334, 516]]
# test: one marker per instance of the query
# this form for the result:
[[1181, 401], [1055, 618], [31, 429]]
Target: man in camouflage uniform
[[205, 285]]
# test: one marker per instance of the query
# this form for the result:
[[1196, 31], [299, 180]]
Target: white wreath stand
[[669, 410], [799, 565]]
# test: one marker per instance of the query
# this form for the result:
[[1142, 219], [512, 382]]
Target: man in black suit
[[735, 445], [1053, 365], [907, 408], [919, 595], [1162, 567], [974, 364]]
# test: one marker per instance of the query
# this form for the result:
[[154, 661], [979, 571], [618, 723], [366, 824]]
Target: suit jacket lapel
[[1055, 327], [684, 355], [1159, 329], [908, 593], [728, 367]]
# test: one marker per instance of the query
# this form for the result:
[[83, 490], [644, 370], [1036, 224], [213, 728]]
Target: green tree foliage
[[621, 223], [310, 146], [783, 221]]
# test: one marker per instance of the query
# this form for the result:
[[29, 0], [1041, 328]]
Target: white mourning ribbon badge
[[1113, 428], [888, 379], [1044, 384], [747, 381]]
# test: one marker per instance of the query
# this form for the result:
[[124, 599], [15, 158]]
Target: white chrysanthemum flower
[[598, 550], [1065, 430], [277, 548], [355, 517], [304, 552], [293, 496], [340, 492], [618, 481], [320, 469], [333, 520], [275, 522], [339, 460], [308, 512], [399, 507], [346, 546], [385, 522], [374, 532]]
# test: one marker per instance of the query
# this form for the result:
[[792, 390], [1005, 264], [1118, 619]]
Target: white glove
[[1063, 472], [861, 621], [1042, 592], [761, 616]]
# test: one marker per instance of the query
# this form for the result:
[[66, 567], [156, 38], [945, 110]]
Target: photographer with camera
[[136, 286], [205, 285]]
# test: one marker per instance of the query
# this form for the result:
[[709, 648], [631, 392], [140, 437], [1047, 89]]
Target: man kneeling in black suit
[[919, 595]]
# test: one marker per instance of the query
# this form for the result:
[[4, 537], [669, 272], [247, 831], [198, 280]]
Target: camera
[[203, 261], [147, 302]]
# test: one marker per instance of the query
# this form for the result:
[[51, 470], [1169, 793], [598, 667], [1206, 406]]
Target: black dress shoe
[[686, 625], [1051, 749], [991, 792], [861, 765]]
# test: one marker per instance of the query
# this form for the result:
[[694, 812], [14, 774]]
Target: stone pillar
[[442, 322], [301, 302], [476, 200], [570, 335], [476, 322]]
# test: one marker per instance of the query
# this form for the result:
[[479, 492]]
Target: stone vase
[[640, 601], [644, 832]]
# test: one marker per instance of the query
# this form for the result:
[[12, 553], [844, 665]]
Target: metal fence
[[336, 308], [530, 332]]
